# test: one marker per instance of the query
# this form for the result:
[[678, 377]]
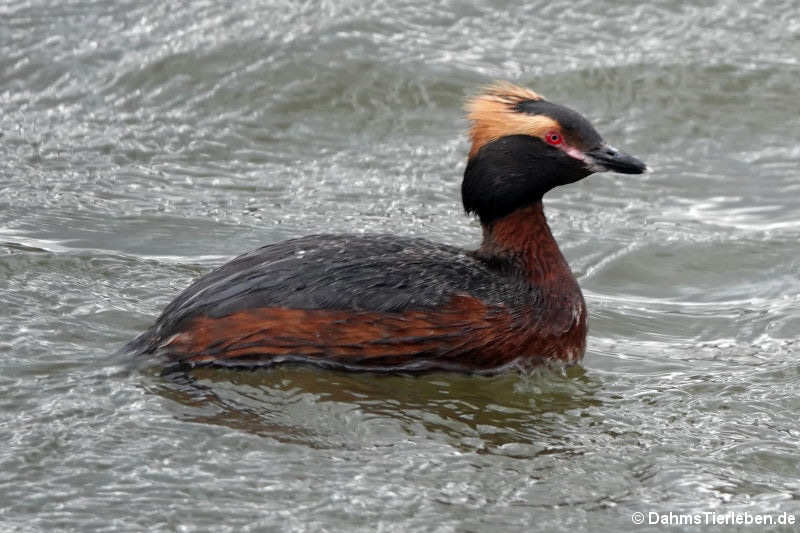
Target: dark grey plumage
[[381, 273]]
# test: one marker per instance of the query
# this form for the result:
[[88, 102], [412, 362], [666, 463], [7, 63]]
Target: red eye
[[553, 137]]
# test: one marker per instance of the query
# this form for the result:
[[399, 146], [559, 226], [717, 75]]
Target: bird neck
[[523, 237]]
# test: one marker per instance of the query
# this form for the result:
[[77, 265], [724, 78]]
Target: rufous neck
[[525, 238]]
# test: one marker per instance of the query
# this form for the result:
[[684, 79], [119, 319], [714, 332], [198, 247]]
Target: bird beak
[[607, 158]]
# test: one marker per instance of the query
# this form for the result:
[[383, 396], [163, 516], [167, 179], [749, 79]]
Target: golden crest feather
[[493, 114]]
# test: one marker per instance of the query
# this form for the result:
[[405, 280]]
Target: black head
[[523, 146]]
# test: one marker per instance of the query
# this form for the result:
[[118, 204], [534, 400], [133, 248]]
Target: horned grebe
[[382, 302]]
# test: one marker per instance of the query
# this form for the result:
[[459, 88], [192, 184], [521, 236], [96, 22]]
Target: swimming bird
[[390, 303]]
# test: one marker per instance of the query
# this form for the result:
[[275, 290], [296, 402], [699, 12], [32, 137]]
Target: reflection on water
[[296, 404]]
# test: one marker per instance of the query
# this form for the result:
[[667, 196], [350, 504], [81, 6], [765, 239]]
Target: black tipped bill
[[609, 158]]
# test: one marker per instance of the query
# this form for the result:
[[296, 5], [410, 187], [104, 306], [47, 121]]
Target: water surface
[[142, 144]]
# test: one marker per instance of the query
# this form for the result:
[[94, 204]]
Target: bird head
[[523, 146]]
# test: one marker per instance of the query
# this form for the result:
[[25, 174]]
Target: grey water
[[144, 143]]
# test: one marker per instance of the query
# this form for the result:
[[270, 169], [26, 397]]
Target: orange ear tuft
[[493, 115]]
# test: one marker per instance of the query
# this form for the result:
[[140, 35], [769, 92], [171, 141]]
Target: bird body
[[382, 302]]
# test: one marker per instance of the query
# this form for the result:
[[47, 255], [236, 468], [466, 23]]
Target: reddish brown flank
[[466, 335]]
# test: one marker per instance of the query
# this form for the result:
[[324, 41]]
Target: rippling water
[[143, 144]]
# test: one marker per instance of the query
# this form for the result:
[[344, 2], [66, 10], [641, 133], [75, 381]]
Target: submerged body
[[383, 302]]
